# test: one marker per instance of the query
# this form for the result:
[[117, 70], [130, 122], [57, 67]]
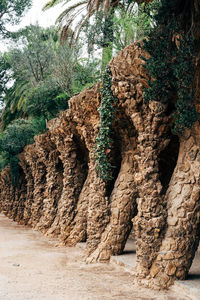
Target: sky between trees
[[33, 16]]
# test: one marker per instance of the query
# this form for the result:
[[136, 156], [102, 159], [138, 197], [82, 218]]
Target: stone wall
[[155, 189]]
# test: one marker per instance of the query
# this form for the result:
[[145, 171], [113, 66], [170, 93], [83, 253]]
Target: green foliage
[[44, 100], [129, 22], [17, 135], [38, 125], [4, 76], [99, 34], [183, 70], [3, 161], [71, 72], [24, 68], [37, 78], [133, 23], [171, 65], [104, 139], [12, 141], [160, 48], [10, 12], [39, 75], [87, 73]]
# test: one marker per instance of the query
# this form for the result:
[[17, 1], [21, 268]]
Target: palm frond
[[50, 4], [79, 27], [67, 18], [70, 10], [65, 33]]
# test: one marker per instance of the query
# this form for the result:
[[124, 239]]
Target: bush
[[12, 141], [46, 100]]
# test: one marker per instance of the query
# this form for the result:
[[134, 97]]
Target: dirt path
[[31, 267]]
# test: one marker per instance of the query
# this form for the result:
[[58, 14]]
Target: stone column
[[38, 170], [29, 185], [78, 231], [73, 179], [98, 211], [20, 199], [122, 210], [150, 123], [53, 191], [183, 222]]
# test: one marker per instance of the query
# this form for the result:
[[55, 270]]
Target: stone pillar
[[73, 179], [149, 223], [7, 192], [122, 210], [38, 170], [20, 199], [29, 185], [98, 211], [181, 238], [53, 191], [78, 231]]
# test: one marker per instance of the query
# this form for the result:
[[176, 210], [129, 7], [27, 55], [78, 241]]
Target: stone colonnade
[[155, 188]]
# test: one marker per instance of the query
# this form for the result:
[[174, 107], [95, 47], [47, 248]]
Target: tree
[[131, 23], [108, 24], [25, 68], [11, 12], [38, 75], [91, 7]]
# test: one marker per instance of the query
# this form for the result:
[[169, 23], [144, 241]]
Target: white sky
[[44, 19], [34, 15]]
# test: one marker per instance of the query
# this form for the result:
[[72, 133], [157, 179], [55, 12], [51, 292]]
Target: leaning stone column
[[29, 185], [122, 210], [150, 123], [53, 190], [20, 199], [78, 231], [183, 222], [72, 181], [98, 208], [7, 192], [39, 175]]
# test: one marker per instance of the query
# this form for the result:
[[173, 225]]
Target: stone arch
[[73, 155]]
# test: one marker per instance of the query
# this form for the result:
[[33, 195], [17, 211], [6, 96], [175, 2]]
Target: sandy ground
[[32, 267]]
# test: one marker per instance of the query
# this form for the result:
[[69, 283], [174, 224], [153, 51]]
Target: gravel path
[[33, 268]]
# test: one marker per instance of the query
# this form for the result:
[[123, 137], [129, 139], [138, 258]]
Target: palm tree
[[89, 7], [68, 16]]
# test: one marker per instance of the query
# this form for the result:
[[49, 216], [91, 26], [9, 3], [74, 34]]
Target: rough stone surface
[[155, 188]]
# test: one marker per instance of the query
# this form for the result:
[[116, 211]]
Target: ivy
[[171, 65], [104, 139], [183, 68]]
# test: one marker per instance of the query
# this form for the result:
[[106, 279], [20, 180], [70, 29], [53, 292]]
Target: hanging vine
[[104, 139], [171, 65]]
